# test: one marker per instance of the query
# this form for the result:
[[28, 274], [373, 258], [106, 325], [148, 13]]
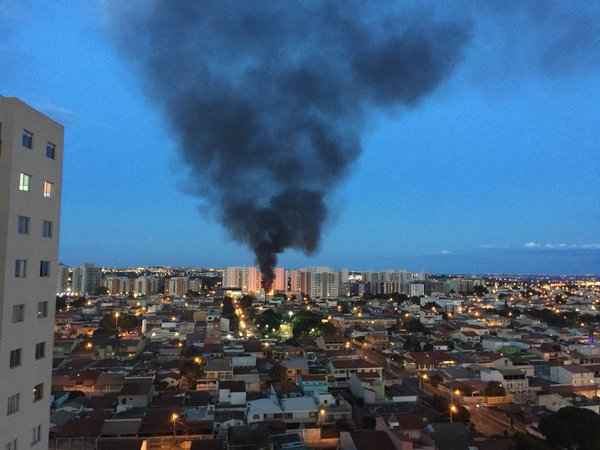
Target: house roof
[[140, 386], [372, 439], [218, 365], [430, 357], [233, 386], [578, 369], [207, 444], [298, 404], [263, 406], [129, 427], [353, 364], [295, 363], [119, 444]]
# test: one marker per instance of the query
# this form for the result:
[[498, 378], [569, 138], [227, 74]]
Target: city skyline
[[299, 225], [453, 202]]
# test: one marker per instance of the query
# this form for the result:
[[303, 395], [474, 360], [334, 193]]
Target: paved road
[[487, 423]]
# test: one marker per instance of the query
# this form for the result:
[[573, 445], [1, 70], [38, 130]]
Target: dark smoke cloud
[[552, 37], [269, 98]]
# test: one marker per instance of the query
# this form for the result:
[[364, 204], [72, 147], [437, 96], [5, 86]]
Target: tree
[[440, 404], [269, 319], [527, 442], [126, 322], [304, 322], [101, 290], [61, 303], [78, 302], [480, 290], [228, 310], [246, 301], [572, 428], [462, 415], [192, 370], [415, 326]]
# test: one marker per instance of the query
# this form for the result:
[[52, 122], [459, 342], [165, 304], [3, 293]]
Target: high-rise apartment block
[[119, 284], [318, 282], [31, 154], [145, 285], [249, 279], [178, 286], [63, 279], [87, 278], [390, 281]]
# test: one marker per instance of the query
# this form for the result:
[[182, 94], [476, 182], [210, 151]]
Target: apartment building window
[[13, 404], [11, 445], [15, 358], [42, 310], [24, 182], [48, 189], [44, 269], [36, 435], [47, 229], [23, 223], [40, 350], [38, 392], [51, 150], [20, 268], [27, 139], [18, 313]]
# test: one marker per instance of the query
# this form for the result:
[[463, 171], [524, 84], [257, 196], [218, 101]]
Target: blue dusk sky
[[498, 170]]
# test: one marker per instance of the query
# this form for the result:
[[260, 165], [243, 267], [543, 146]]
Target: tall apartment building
[[145, 285], [87, 278], [249, 279], [178, 286], [119, 285], [390, 281], [63, 283], [31, 153], [319, 282], [235, 277]]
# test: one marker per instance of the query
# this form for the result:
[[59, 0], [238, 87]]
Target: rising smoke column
[[268, 99]]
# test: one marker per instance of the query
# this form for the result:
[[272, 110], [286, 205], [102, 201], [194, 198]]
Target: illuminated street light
[[174, 418], [422, 378], [453, 410]]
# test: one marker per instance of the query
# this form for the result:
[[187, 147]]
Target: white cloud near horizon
[[561, 246]]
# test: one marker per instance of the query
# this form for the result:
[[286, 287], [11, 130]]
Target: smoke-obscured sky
[[497, 170]]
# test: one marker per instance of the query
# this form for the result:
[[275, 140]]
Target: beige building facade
[[31, 154]]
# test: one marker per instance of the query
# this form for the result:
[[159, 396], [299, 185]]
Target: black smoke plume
[[269, 98]]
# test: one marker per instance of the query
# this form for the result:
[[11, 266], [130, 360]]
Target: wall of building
[[15, 116]]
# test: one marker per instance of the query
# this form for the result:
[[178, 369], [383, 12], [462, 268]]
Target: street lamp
[[117, 322], [453, 393], [422, 378], [174, 418], [453, 410]]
